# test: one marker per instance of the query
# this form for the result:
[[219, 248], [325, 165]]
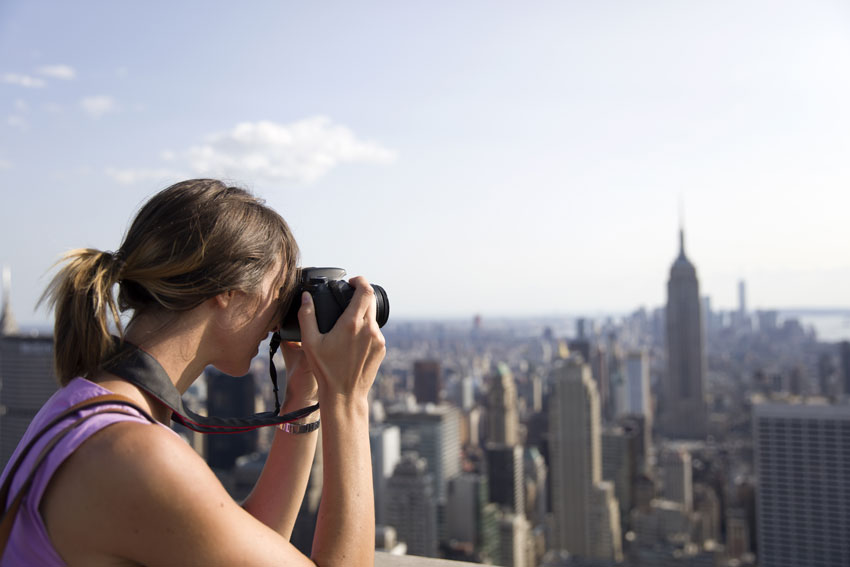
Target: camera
[[331, 295]]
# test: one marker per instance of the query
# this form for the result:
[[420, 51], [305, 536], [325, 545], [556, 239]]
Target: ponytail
[[81, 296]]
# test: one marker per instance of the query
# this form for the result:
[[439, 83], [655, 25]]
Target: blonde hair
[[190, 242]]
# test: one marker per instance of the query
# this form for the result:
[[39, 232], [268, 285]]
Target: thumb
[[307, 319]]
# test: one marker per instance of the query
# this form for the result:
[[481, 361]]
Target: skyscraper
[[802, 458], [587, 521], [385, 443], [467, 497], [427, 381], [8, 325], [619, 464], [434, 433], [677, 476], [506, 476], [633, 397], [514, 533], [411, 507], [844, 351], [27, 378], [684, 414], [502, 419], [229, 397], [742, 299]]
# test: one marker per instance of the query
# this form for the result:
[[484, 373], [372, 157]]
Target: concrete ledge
[[387, 560]]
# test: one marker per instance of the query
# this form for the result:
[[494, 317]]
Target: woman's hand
[[346, 359], [301, 387]]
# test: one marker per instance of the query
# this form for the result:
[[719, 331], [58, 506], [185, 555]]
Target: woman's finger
[[307, 319]]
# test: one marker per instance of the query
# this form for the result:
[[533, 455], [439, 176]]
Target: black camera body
[[331, 295]]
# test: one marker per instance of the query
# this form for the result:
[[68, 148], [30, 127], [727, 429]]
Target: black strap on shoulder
[[142, 370]]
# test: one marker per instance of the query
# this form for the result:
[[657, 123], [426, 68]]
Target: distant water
[[831, 327]]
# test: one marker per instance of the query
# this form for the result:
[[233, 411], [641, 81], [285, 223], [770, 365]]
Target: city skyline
[[512, 448], [449, 153]]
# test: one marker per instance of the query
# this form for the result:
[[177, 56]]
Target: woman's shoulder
[[124, 477], [138, 493], [134, 445], [129, 451]]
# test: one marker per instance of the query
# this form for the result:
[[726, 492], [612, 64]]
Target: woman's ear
[[224, 298]]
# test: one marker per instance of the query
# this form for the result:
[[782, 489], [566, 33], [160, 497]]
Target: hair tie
[[119, 262]]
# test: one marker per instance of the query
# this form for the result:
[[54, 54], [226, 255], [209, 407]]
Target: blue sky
[[501, 158]]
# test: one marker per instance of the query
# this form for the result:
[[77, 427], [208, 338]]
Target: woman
[[205, 270]]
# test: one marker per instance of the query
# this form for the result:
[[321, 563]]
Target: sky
[[473, 157]]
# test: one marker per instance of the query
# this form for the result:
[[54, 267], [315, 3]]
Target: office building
[[502, 418], [802, 459], [506, 476], [434, 433], [536, 483], [684, 414], [638, 395], [27, 381], [514, 541], [619, 464], [411, 506], [8, 324], [427, 381], [586, 519], [385, 442], [737, 533], [707, 514], [228, 396], [27, 378], [674, 463], [467, 497], [844, 353]]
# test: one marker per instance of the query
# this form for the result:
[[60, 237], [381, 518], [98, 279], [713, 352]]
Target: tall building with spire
[[684, 413]]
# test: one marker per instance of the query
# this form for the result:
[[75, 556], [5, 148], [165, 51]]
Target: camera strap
[[143, 371]]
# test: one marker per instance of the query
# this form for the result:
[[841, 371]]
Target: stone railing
[[387, 560]]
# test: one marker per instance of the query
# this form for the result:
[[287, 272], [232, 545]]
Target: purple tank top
[[29, 543]]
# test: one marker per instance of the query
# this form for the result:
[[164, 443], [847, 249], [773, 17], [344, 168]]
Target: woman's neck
[[176, 342]]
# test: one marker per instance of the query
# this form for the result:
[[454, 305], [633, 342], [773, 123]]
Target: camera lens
[[382, 313]]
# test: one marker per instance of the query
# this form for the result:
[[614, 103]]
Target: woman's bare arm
[[345, 362], [276, 498]]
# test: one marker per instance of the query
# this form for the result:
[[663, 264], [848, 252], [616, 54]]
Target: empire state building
[[683, 408]]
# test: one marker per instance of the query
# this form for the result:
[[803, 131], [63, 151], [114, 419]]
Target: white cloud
[[97, 106], [21, 105], [301, 151], [5, 164], [128, 176], [65, 72], [23, 80], [16, 121]]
